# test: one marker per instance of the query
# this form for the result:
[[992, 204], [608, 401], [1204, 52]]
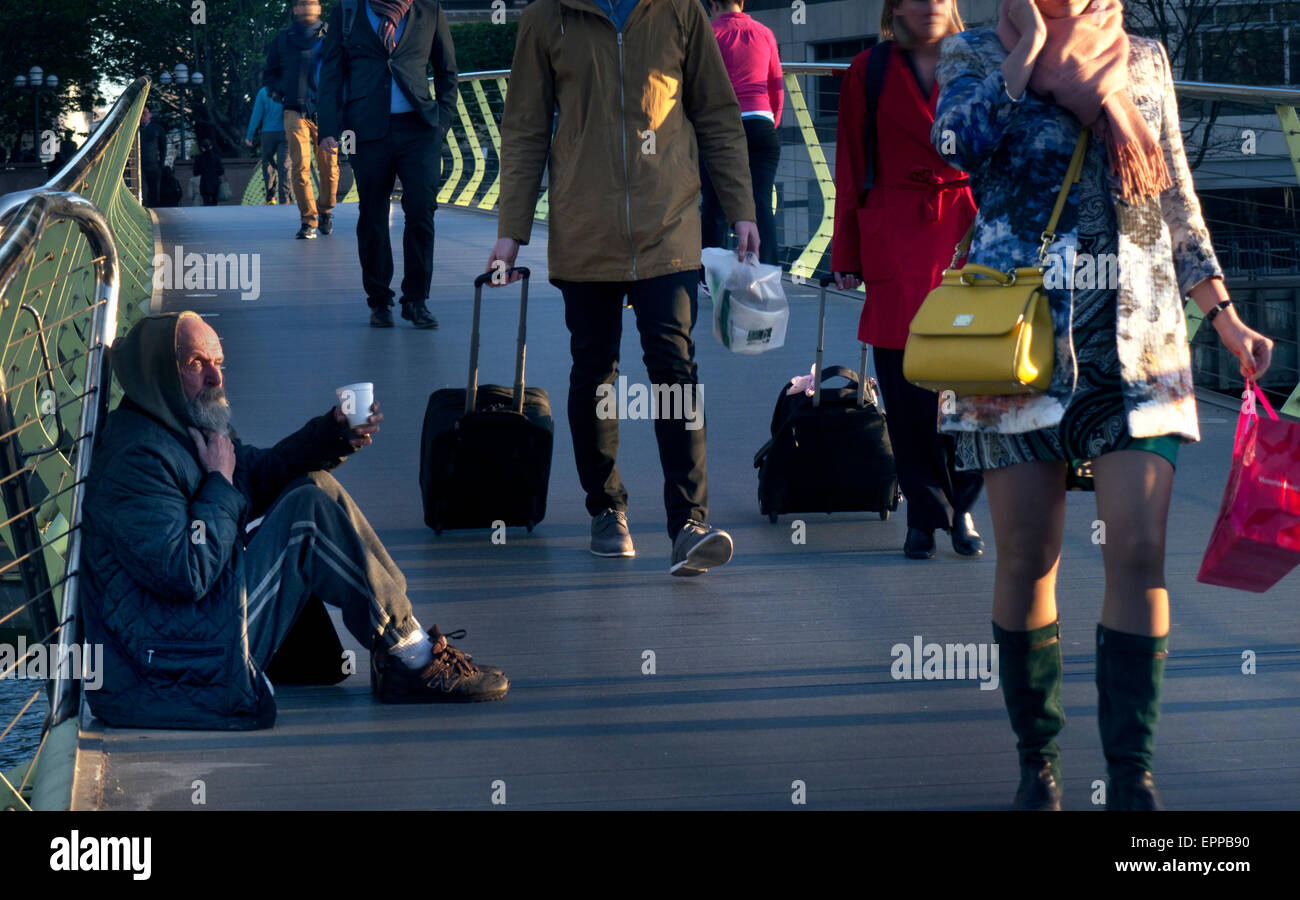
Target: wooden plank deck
[[772, 670]]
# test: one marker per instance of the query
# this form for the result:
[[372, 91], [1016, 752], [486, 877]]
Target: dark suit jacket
[[357, 73]]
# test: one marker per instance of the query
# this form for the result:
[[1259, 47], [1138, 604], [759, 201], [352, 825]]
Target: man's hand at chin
[[360, 436]]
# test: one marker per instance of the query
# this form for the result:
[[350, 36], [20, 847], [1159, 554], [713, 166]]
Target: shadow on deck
[[772, 670]]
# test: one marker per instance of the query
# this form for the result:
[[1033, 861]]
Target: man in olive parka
[[188, 607]]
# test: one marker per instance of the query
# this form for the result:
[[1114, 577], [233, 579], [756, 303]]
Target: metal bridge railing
[[1239, 137], [62, 253]]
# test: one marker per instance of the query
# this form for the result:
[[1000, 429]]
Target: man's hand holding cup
[[358, 408]]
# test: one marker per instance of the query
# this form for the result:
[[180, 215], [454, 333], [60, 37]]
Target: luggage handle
[[824, 282], [471, 391]]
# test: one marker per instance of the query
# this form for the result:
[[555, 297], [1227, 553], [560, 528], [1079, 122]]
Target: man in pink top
[[750, 53]]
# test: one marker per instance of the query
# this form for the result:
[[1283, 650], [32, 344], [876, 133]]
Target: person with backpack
[[374, 82], [268, 117], [639, 85], [754, 67], [293, 65], [900, 209]]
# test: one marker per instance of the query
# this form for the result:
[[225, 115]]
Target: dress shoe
[[965, 539], [699, 547], [381, 316], [919, 544], [418, 314]]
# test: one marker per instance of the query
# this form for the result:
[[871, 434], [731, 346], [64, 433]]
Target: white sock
[[415, 650]]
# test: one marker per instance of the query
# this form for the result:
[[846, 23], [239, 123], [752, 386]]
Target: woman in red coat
[[898, 237]]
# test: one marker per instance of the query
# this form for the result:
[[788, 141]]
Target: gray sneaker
[[699, 547], [609, 534]]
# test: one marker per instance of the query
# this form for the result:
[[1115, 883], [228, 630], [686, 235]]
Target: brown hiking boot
[[451, 677]]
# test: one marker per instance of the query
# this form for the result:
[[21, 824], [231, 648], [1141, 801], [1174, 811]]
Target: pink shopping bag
[[1256, 540]]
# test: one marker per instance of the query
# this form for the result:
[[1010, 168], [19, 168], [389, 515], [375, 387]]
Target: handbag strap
[[1072, 174]]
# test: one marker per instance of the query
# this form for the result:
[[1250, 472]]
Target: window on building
[[827, 102], [1250, 56]]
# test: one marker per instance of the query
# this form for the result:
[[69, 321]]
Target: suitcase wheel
[[437, 529], [529, 526], [772, 517], [884, 515]]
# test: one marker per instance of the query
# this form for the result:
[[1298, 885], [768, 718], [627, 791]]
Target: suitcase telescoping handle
[[824, 282], [471, 391]]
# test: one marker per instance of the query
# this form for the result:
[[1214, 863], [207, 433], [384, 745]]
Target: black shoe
[[965, 539], [450, 677], [418, 314], [1038, 790], [306, 233], [919, 544], [326, 223], [381, 316], [1133, 791]]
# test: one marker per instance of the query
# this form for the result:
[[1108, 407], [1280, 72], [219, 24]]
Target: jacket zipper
[[627, 183]]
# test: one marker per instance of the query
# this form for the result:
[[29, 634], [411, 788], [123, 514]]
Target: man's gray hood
[[144, 361]]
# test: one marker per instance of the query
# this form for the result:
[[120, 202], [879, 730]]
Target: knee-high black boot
[[1130, 670], [1029, 667]]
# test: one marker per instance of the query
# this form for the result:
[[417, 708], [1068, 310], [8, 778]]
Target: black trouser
[[152, 178], [937, 494], [275, 175], [665, 309], [410, 151], [764, 155]]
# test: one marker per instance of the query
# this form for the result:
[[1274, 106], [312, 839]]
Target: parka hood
[[144, 361]]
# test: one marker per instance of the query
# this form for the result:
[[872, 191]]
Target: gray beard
[[211, 411]]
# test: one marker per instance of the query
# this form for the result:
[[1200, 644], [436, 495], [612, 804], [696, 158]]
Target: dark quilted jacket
[[163, 570]]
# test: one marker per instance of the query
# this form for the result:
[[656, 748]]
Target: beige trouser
[[300, 132]]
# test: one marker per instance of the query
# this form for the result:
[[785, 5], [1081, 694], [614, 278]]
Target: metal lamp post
[[180, 76], [36, 81]]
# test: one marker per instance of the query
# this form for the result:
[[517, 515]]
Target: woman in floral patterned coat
[[1130, 244]]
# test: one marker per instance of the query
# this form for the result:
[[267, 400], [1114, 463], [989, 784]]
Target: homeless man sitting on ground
[[188, 609]]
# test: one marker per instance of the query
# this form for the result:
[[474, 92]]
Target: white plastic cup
[[355, 401]]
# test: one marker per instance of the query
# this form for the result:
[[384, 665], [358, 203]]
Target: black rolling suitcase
[[485, 452], [831, 452]]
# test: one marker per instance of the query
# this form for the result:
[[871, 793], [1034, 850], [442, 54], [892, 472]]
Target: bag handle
[[471, 390], [1072, 175], [1249, 396]]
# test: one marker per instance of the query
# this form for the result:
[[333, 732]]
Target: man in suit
[[292, 65], [374, 84]]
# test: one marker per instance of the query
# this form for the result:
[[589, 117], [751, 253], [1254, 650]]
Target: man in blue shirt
[[268, 116]]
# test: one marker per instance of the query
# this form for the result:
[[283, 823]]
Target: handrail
[[74, 171], [34, 278], [16, 248]]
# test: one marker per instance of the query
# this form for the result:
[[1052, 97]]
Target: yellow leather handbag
[[982, 331]]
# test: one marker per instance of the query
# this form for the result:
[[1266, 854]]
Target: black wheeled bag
[[485, 452], [829, 452]]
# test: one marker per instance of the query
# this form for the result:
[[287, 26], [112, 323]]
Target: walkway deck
[[772, 670]]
